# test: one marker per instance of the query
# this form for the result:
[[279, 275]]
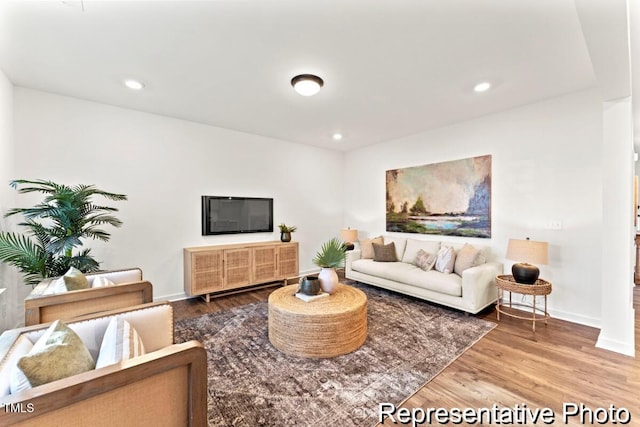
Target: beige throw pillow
[[467, 257], [366, 247], [59, 353], [120, 342], [74, 279], [384, 253], [445, 260], [425, 260]]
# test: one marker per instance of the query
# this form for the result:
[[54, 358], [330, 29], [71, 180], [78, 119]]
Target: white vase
[[328, 280]]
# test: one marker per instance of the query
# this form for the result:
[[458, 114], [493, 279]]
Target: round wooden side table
[[540, 288], [325, 327]]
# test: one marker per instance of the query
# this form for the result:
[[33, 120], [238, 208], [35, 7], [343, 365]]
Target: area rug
[[253, 384]]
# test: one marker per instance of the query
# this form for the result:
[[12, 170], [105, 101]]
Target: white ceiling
[[391, 67]]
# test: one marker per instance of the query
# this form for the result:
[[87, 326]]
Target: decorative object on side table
[[539, 288], [56, 226], [527, 252], [285, 232], [309, 285], [349, 236], [330, 256]]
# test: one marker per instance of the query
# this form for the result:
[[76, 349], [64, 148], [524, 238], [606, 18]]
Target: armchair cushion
[[100, 282], [59, 353], [21, 347]]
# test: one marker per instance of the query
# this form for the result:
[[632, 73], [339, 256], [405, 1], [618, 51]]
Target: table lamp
[[527, 252], [349, 236]]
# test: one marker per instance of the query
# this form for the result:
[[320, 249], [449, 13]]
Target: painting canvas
[[450, 198]]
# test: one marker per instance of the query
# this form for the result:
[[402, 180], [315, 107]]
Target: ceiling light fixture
[[337, 136], [134, 84], [307, 84], [482, 87]]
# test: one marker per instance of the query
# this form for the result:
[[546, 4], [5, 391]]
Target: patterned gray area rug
[[253, 384]]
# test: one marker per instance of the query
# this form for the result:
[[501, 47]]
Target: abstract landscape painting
[[450, 198]]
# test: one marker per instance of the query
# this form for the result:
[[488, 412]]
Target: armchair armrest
[[46, 308]]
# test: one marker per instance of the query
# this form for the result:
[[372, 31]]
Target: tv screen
[[232, 215]]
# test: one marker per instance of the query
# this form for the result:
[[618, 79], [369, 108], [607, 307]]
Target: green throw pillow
[[74, 279], [59, 353]]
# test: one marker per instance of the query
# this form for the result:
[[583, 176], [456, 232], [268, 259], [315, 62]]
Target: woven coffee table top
[[344, 299]]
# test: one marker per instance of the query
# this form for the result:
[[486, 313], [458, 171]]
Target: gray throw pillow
[[384, 253], [425, 260]]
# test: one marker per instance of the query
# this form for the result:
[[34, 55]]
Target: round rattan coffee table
[[325, 327]]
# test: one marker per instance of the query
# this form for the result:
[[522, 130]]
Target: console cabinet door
[[237, 267], [206, 272], [288, 260], [265, 268]]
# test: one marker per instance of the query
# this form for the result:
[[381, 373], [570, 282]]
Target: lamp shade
[[529, 251], [348, 235]]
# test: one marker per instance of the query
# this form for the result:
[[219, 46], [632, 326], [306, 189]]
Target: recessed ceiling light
[[482, 87], [307, 84], [337, 136], [133, 84]]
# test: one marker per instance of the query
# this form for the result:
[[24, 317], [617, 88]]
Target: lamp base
[[524, 273], [348, 246]]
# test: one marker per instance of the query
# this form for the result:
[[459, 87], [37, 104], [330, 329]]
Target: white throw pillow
[[446, 260], [22, 346], [121, 342], [56, 286], [101, 282]]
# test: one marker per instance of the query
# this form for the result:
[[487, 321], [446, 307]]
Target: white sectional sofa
[[471, 291]]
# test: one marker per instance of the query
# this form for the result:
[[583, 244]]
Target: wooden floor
[[510, 366]]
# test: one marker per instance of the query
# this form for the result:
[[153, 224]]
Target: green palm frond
[[331, 254], [56, 227]]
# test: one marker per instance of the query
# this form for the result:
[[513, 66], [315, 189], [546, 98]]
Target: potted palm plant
[[330, 256], [285, 232], [55, 228]]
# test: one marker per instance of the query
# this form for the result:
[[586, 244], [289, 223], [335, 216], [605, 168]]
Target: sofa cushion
[[449, 284], [101, 282], [20, 347], [425, 260], [414, 245], [400, 244], [467, 257], [384, 253], [59, 353], [121, 342], [366, 247], [56, 286], [75, 279], [446, 259]]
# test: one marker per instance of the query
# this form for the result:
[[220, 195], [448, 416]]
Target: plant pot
[[285, 236], [328, 280], [309, 285]]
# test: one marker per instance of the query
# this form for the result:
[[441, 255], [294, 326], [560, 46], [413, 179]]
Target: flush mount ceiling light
[[307, 84], [337, 136], [482, 87], [134, 84]]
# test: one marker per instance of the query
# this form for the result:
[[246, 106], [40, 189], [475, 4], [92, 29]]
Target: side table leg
[[546, 313], [500, 295], [534, 314]]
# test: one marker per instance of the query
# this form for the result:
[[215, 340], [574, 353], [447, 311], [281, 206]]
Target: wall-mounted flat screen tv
[[233, 215]]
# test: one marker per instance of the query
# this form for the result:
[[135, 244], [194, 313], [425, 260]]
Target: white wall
[[164, 165], [546, 166]]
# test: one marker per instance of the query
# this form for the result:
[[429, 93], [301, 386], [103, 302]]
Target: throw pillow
[[74, 279], [366, 247], [56, 286], [445, 260], [59, 353], [19, 348], [101, 282], [384, 253], [425, 260], [120, 342], [466, 257]]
